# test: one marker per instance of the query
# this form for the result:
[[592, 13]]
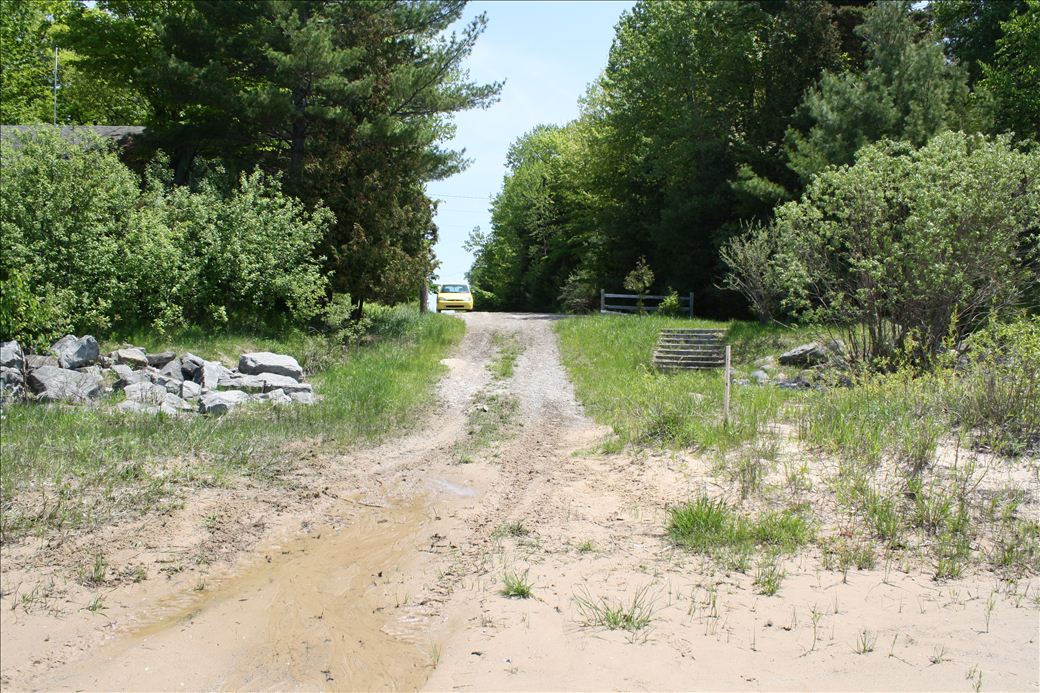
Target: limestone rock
[[267, 362], [264, 382], [133, 357], [172, 369], [190, 390], [76, 353], [34, 361], [161, 359], [11, 355], [51, 384], [810, 354], [221, 402], [191, 365], [209, 375]]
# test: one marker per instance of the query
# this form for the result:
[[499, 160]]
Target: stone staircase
[[680, 348]]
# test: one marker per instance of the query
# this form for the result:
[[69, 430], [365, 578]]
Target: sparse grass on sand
[[899, 460], [516, 586], [82, 464], [630, 615]]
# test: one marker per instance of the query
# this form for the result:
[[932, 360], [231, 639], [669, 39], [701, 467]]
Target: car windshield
[[454, 289]]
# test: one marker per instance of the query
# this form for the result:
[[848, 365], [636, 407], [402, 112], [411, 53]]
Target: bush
[[897, 247], [580, 292], [670, 306], [997, 392], [85, 250], [749, 257]]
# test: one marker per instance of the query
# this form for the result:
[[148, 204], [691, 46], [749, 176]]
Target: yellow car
[[454, 297]]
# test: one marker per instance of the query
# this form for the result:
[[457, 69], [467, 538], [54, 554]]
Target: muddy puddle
[[329, 611]]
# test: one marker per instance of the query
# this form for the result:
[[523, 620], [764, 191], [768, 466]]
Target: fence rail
[[685, 303]]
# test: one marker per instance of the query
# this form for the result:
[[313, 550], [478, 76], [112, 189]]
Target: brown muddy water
[[328, 611]]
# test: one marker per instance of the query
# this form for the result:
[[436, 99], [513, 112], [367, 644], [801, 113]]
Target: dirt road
[[385, 572]]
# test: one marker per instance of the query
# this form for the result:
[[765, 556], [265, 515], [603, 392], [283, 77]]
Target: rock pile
[[76, 372]]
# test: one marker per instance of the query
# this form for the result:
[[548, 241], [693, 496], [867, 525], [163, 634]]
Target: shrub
[[579, 293], [997, 392], [670, 306], [85, 250], [748, 258], [65, 207], [897, 247]]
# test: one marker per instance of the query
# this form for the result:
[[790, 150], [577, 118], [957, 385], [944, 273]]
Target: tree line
[[345, 104], [710, 117]]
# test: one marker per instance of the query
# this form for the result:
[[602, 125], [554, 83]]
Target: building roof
[[119, 133]]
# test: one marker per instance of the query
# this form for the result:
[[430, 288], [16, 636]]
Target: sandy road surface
[[384, 572]]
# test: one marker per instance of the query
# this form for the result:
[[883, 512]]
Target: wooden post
[[725, 394], [691, 304], [602, 300]]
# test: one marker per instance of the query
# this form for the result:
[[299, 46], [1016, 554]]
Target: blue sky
[[547, 53]]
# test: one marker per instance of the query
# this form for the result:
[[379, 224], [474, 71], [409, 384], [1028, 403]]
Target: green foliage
[[30, 30], [669, 307], [349, 101], [639, 280], [1012, 79], [996, 392], [895, 249], [97, 254], [907, 91], [675, 145], [749, 259]]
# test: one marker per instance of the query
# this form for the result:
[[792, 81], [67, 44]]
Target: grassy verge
[[608, 358], [68, 466]]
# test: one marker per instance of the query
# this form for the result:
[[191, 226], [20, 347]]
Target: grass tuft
[[516, 586], [631, 616]]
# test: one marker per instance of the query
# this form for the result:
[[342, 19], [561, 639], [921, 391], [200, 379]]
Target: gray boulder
[[76, 353], [191, 365], [810, 354], [51, 384], [11, 355], [267, 362], [34, 361], [303, 397], [265, 382], [128, 376], [210, 374], [133, 357], [161, 359], [12, 383], [221, 402], [172, 369], [760, 377], [274, 396], [145, 393], [171, 407], [190, 390]]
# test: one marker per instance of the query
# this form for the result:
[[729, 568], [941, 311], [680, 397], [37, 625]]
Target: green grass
[[509, 350], [893, 415], [608, 359], [632, 616], [81, 465], [713, 527], [516, 586]]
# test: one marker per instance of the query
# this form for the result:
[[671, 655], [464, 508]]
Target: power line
[[461, 197]]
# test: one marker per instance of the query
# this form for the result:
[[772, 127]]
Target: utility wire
[[461, 197]]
